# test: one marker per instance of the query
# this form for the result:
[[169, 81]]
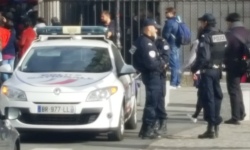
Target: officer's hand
[[109, 34], [4, 20], [195, 77]]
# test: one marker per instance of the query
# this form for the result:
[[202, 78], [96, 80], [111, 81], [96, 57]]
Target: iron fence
[[132, 12]]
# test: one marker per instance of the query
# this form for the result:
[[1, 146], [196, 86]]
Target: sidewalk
[[231, 137]]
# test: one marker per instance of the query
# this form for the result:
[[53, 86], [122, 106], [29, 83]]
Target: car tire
[[118, 134], [132, 122]]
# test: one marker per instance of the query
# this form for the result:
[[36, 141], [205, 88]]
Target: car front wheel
[[118, 134]]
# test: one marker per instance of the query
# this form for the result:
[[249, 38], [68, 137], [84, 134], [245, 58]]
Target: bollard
[[246, 101], [245, 87], [139, 97], [167, 97], [141, 94]]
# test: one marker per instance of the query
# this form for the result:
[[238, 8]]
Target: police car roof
[[83, 42]]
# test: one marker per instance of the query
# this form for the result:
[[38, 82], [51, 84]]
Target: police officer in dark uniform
[[163, 50], [236, 35], [151, 65], [210, 55]]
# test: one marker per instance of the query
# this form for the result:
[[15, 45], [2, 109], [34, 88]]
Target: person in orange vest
[[27, 37], [4, 33]]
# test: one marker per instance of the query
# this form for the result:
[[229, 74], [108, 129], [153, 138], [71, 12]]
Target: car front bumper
[[89, 116]]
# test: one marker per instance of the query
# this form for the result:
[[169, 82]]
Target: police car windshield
[[67, 59]]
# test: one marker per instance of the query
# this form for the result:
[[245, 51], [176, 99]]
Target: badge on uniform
[[150, 44], [152, 54], [201, 44], [132, 49], [219, 38], [166, 47]]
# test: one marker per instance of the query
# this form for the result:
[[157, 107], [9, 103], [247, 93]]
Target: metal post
[[118, 32]]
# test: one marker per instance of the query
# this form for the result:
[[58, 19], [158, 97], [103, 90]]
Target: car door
[[3, 134], [127, 80]]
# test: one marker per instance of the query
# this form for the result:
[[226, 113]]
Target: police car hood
[[60, 78]]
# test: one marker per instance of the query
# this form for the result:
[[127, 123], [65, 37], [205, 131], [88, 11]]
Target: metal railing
[[132, 12]]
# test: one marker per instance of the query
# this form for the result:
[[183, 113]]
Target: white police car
[[71, 79]]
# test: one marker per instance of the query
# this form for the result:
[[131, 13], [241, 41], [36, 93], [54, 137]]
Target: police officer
[[209, 61], [234, 53], [163, 50], [148, 62]]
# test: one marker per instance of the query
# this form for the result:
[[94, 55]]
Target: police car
[[71, 79]]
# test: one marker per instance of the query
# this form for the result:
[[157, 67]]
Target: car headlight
[[101, 94], [13, 93]]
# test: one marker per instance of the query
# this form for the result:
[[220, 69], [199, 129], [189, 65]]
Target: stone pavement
[[231, 137]]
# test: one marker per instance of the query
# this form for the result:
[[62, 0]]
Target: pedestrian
[[4, 37], [209, 60], [55, 21], [27, 37], [234, 53], [40, 23], [110, 24], [148, 62], [170, 33], [191, 60], [8, 53], [198, 108], [4, 33]]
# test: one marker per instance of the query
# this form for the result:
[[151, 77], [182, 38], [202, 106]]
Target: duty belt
[[151, 73], [213, 67]]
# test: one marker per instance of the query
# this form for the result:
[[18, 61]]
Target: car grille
[[41, 119]]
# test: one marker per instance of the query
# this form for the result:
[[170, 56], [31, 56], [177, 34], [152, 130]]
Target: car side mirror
[[2, 117], [6, 68], [127, 69]]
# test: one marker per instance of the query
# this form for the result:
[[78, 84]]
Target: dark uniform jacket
[[234, 50], [211, 50], [148, 61], [146, 56], [203, 52]]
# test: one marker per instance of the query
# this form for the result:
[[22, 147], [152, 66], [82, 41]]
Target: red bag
[[243, 78]]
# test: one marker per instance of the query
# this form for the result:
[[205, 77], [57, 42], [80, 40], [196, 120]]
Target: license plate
[[56, 109]]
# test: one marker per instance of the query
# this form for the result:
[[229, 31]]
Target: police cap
[[150, 22], [207, 17]]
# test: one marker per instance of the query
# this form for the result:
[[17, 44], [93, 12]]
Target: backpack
[[245, 61], [183, 35]]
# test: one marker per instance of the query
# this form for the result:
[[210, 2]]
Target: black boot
[[149, 133], [216, 130], [162, 128], [142, 130], [210, 134]]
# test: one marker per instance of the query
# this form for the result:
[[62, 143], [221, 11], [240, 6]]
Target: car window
[[67, 59], [119, 62]]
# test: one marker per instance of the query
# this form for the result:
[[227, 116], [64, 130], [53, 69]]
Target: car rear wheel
[[118, 134], [132, 122]]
